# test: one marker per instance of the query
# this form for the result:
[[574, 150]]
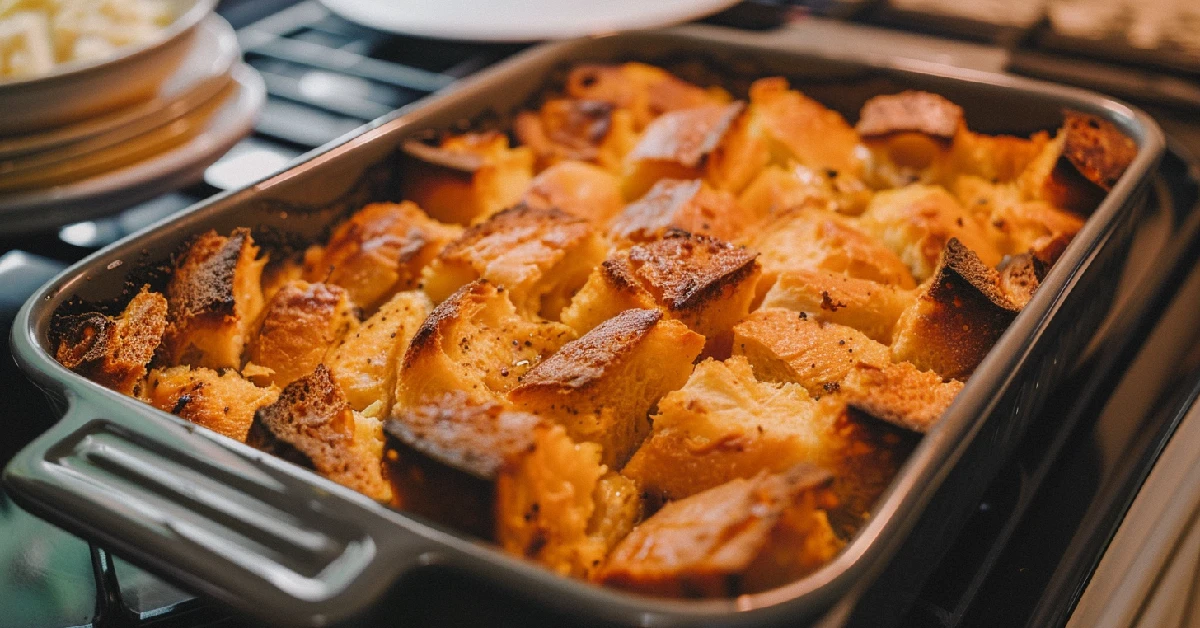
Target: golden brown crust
[[1020, 276], [1097, 148], [300, 324], [467, 177], [578, 189], [222, 402], [900, 394], [645, 90], [378, 251], [870, 307], [565, 129], [910, 111], [114, 352], [957, 317], [475, 342], [213, 299], [743, 536], [686, 136], [690, 206], [540, 256], [311, 425], [803, 129], [364, 362], [602, 386]]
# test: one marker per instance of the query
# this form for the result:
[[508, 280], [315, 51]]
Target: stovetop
[[1022, 559]]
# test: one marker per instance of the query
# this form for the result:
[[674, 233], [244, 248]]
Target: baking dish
[[281, 543]]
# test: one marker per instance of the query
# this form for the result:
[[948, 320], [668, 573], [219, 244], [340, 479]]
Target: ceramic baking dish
[[289, 547]]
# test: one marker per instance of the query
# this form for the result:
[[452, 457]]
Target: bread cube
[[909, 137], [540, 256], [378, 251], [743, 536], [690, 206], [646, 91], [1078, 168], [113, 352], [213, 301], [223, 402], [807, 238], [1020, 277], [957, 316], [311, 425], [775, 189], [803, 130], [742, 153], [675, 146], [511, 476], [602, 386], [577, 188], [704, 282], [592, 131], [870, 307], [917, 221], [467, 178], [300, 324], [830, 359], [475, 342], [364, 362]]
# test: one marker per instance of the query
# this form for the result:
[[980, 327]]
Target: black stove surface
[[1021, 559]]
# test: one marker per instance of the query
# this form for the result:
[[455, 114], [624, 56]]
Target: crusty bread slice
[[223, 402], [511, 476], [803, 130], [1078, 168], [743, 536], [213, 301], [300, 324], [675, 146], [113, 352], [364, 362], [378, 251], [870, 307], [540, 256], [704, 282], [311, 425], [957, 316], [831, 359], [578, 130], [602, 386], [466, 178], [475, 342], [687, 205]]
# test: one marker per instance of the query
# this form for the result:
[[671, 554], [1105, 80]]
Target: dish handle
[[222, 519]]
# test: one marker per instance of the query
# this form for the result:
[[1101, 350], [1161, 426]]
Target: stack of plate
[[96, 138]]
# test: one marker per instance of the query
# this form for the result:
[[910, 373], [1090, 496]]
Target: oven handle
[[222, 519]]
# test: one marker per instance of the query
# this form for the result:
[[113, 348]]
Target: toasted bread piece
[[909, 137], [690, 206], [776, 189], [740, 156], [442, 459], [646, 91], [995, 158], [807, 238], [540, 256], [364, 362], [280, 272], [1078, 168], [378, 251], [704, 282], [870, 307], [725, 424], [803, 130], [1016, 225], [223, 402], [312, 425], [744, 536], [563, 129], [577, 188], [916, 222], [1020, 276], [556, 504], [468, 177], [956, 318], [300, 324], [830, 359], [675, 145], [509, 476], [213, 301], [475, 342], [114, 352], [602, 386]]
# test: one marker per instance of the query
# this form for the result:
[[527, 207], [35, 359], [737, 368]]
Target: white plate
[[519, 20], [175, 168], [202, 74]]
